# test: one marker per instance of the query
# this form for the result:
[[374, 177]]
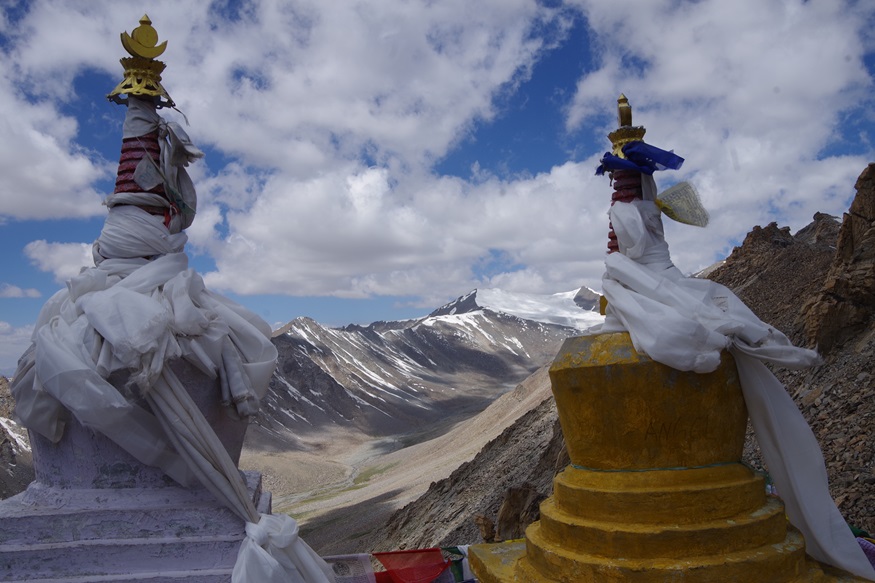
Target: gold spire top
[[626, 132], [143, 42], [624, 110], [142, 70]]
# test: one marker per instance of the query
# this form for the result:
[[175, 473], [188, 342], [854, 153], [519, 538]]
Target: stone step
[[191, 576], [615, 539], [661, 496], [113, 558], [783, 562], [43, 514], [73, 526], [170, 534]]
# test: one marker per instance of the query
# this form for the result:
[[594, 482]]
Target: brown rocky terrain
[[817, 286], [844, 307], [446, 514]]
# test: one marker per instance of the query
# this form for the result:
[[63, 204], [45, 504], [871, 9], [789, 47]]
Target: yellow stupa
[[656, 491]]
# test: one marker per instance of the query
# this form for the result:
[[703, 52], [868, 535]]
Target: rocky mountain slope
[[349, 515], [399, 377], [818, 286], [16, 464], [495, 495]]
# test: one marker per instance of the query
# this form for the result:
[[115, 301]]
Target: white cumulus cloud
[[329, 119], [7, 290], [63, 260]]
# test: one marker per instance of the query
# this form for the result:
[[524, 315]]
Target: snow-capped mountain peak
[[394, 377], [574, 309]]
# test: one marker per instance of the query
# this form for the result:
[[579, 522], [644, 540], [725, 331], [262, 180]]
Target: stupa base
[[78, 535], [655, 491], [507, 562]]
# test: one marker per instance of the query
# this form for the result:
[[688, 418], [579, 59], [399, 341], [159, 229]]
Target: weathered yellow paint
[[666, 539], [622, 410], [495, 563], [656, 497], [655, 491], [783, 561]]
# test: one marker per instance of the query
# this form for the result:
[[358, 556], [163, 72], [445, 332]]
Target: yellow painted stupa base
[[655, 492], [505, 562]]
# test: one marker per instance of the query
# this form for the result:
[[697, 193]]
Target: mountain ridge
[[401, 376]]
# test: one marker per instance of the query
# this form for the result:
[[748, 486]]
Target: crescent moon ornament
[[142, 42], [142, 69]]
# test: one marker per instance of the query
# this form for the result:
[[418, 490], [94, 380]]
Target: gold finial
[[142, 70], [142, 42], [624, 111], [626, 132]]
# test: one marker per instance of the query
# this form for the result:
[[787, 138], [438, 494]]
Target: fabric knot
[[163, 129], [258, 532], [278, 530]]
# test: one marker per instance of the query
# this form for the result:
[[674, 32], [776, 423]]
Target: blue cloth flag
[[640, 157]]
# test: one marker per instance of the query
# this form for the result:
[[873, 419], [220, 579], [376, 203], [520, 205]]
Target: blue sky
[[372, 160]]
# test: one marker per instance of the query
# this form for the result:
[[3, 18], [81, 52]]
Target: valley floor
[[344, 488]]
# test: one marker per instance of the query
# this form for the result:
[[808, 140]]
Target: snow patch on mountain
[[553, 309], [560, 308], [397, 377]]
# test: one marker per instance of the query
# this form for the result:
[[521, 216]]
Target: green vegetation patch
[[368, 473]]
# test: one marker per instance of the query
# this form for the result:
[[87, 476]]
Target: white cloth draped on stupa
[[684, 323], [139, 308], [176, 153]]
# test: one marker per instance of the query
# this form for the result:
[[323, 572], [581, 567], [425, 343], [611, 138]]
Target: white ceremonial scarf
[[129, 313], [176, 152], [685, 323]]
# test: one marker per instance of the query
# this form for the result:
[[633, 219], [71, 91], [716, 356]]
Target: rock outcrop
[[846, 303], [774, 270]]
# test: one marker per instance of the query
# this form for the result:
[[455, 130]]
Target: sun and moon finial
[[143, 42], [142, 70]]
